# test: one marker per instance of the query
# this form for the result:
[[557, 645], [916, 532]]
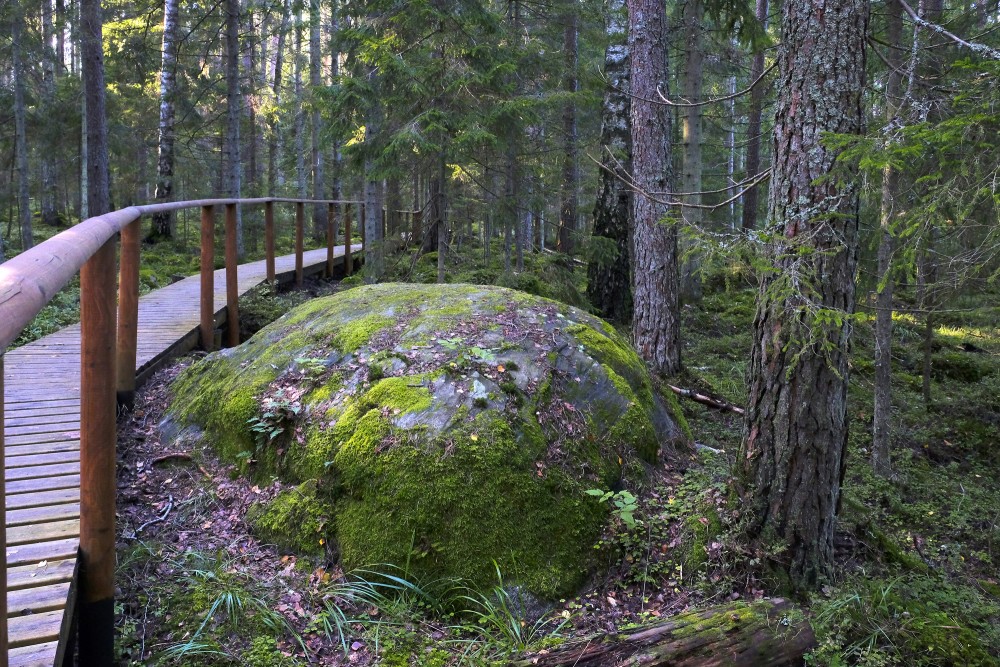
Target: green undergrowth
[[205, 607], [916, 581]]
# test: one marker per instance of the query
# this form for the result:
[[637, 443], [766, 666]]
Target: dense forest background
[[820, 190]]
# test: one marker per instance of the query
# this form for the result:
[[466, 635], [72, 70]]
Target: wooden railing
[[108, 342]]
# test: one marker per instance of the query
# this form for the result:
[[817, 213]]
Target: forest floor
[[916, 581]]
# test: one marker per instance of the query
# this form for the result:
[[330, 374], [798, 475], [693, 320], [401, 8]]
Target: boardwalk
[[42, 421]]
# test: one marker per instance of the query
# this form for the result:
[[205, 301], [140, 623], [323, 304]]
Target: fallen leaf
[[474, 437]]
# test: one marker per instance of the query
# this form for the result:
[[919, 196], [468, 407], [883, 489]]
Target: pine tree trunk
[[50, 190], [609, 282], [234, 103], [315, 81], [656, 318], [300, 121], [691, 137], [570, 170], [373, 196], [795, 437], [276, 88], [881, 423], [163, 223], [20, 133], [750, 197]]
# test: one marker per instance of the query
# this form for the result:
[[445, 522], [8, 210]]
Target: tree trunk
[[691, 137], [769, 633], [300, 121], [571, 171], [373, 195], [792, 458], [656, 318], [442, 219], [881, 422], [315, 81], [50, 190], [234, 102], [753, 127], [20, 133], [609, 281], [276, 87], [163, 223]]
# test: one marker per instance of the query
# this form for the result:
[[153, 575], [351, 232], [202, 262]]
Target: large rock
[[441, 427]]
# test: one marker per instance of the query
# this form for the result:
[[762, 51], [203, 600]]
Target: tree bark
[[20, 133], [300, 121], [571, 171], [50, 191], [163, 223], [315, 81], [656, 318], [92, 57], [770, 633], [753, 127], [234, 103], [276, 88], [792, 459], [609, 282], [691, 137], [881, 421]]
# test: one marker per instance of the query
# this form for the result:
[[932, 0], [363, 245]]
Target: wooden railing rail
[[108, 360]]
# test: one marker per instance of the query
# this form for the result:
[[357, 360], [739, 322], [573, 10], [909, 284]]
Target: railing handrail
[[108, 341], [31, 279]]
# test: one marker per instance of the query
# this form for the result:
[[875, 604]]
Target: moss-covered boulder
[[444, 427]]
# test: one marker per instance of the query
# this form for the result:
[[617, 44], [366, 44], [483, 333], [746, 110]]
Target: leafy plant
[[277, 412], [624, 504]]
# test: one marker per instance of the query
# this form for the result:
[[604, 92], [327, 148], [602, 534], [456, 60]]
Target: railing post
[[97, 458], [269, 240], [4, 638], [331, 239], [232, 279], [348, 257], [207, 278], [300, 216], [128, 314], [362, 217]]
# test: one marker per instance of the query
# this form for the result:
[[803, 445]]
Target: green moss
[[354, 334], [296, 520], [412, 504], [611, 350], [399, 395], [634, 428]]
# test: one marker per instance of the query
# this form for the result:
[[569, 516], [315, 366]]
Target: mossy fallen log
[[769, 633]]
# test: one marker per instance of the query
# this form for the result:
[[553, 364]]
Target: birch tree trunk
[[750, 197], [792, 459], [609, 282], [881, 422], [656, 317], [315, 81], [691, 136], [163, 223], [20, 133], [570, 169]]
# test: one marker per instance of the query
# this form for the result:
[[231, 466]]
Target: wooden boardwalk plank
[[42, 447]]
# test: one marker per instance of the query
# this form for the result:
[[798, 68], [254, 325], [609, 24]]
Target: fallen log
[[710, 401], [768, 633]]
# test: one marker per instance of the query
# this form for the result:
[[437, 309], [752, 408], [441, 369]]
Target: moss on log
[[769, 633]]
